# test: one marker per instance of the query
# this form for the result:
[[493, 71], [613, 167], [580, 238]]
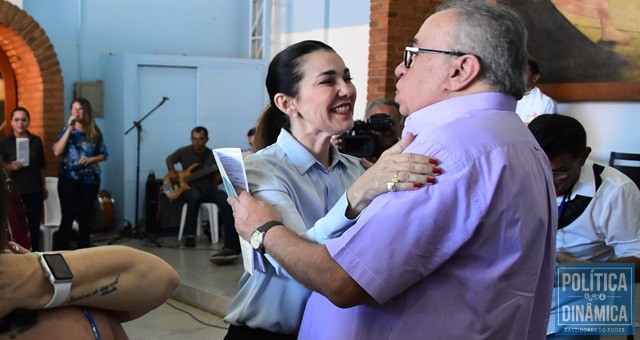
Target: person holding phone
[[81, 147]]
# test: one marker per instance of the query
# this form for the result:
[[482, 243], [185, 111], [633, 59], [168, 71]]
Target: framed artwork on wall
[[586, 49]]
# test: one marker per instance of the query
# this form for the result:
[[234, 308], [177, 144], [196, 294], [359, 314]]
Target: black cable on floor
[[194, 317]]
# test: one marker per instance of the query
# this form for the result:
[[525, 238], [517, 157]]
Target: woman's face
[[326, 97], [19, 122], [77, 111]]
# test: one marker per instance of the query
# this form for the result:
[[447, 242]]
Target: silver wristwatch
[[257, 238]]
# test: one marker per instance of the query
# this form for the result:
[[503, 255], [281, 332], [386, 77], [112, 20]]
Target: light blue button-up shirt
[[312, 202]]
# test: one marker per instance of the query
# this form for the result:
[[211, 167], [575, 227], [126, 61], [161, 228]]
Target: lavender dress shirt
[[469, 258]]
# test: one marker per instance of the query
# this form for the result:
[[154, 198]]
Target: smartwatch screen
[[58, 266]]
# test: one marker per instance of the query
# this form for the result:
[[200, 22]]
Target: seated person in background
[[533, 102], [198, 163], [251, 136], [111, 285], [598, 215]]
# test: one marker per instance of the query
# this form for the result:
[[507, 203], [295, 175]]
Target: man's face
[[391, 136], [530, 79], [566, 172], [198, 141], [424, 82]]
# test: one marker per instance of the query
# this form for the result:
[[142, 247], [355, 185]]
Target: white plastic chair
[[52, 214], [212, 210]]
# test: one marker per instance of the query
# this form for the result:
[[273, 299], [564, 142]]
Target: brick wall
[[393, 24], [38, 77]]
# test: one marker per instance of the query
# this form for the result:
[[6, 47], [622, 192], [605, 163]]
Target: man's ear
[[285, 104], [535, 78], [585, 155], [464, 72]]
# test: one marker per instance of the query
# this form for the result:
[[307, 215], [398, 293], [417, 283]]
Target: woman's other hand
[[394, 171]]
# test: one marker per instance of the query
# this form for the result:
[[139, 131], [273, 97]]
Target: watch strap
[[263, 230], [61, 292]]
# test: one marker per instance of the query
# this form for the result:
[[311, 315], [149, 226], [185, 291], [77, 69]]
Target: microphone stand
[[136, 228]]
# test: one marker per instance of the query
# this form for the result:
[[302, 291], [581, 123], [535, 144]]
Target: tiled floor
[[203, 297], [176, 320]]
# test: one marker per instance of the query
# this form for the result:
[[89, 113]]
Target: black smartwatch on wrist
[[57, 271], [257, 238]]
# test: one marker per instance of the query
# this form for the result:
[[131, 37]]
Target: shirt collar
[[450, 109], [301, 158], [13, 137], [585, 186]]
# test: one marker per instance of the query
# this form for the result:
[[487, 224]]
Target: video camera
[[359, 141]]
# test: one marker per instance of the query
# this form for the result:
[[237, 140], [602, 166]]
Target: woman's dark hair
[[284, 76], [20, 108]]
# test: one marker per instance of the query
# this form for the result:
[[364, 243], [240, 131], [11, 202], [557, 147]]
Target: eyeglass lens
[[408, 58]]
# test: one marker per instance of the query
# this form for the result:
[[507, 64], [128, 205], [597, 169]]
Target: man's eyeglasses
[[560, 175], [409, 52]]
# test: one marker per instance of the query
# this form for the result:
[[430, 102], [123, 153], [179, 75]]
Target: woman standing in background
[[81, 146], [27, 177]]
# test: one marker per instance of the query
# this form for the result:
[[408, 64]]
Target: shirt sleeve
[[268, 187], [40, 152], [102, 148], [621, 221], [412, 233], [551, 106]]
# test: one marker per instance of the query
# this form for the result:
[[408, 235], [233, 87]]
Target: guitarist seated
[[198, 183]]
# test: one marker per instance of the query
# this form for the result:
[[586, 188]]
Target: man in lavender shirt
[[469, 258]]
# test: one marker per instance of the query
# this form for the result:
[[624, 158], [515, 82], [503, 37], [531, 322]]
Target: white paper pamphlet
[[22, 151], [234, 179]]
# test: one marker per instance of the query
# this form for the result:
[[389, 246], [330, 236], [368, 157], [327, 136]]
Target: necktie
[[569, 210]]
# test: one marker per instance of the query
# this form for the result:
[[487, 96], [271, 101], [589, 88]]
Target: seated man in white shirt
[[533, 102], [598, 215]]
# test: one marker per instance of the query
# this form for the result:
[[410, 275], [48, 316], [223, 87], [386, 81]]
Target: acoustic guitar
[[173, 190]]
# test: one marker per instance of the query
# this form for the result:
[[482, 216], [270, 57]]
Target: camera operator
[[380, 131]]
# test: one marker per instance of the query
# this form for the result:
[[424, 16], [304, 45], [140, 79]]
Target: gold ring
[[392, 185]]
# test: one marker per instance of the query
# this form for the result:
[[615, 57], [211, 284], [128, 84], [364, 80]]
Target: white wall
[[354, 52], [610, 126], [342, 24]]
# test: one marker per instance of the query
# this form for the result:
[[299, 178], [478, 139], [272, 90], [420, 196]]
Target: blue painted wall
[[109, 40], [82, 31]]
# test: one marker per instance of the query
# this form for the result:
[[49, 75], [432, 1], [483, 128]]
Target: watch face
[[58, 266], [255, 240]]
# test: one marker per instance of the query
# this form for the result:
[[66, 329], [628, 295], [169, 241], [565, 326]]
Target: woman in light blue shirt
[[318, 191]]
